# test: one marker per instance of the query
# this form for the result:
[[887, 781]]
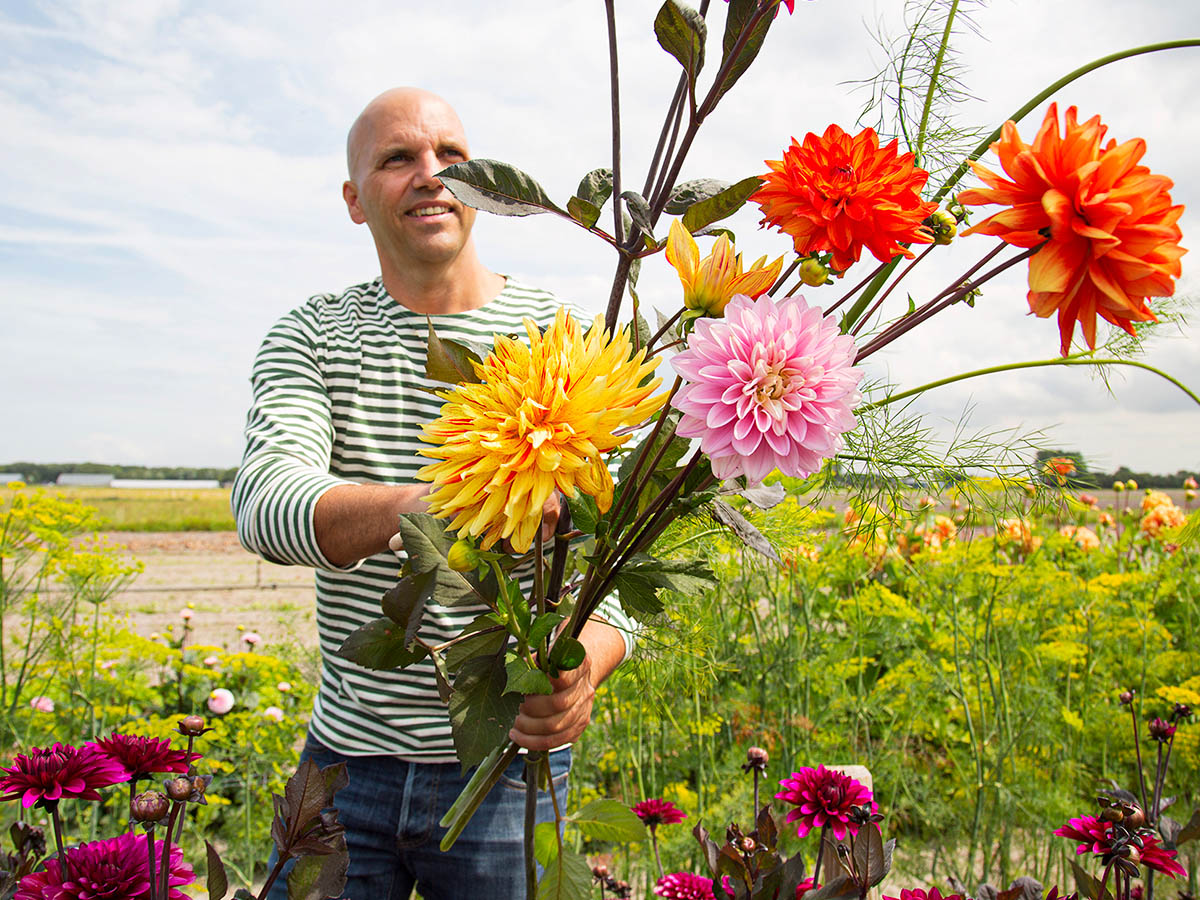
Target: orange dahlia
[[1113, 238], [840, 193], [541, 420]]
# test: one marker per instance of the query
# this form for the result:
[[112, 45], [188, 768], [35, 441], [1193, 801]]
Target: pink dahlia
[[47, 775], [144, 755], [823, 797], [116, 869], [771, 385], [656, 812], [685, 886], [921, 894], [1096, 837]]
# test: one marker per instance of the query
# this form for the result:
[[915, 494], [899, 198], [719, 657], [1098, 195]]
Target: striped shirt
[[337, 399]]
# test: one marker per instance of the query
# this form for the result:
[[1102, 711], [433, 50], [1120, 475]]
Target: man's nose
[[428, 165]]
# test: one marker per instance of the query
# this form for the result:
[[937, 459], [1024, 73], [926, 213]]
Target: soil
[[226, 586]]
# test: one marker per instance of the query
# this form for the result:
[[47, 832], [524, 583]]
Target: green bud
[[463, 556], [943, 225], [813, 273]]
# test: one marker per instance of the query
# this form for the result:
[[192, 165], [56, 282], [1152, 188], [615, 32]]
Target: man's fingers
[[396, 543]]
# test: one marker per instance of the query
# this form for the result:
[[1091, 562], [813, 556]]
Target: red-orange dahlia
[[1113, 237], [840, 193]]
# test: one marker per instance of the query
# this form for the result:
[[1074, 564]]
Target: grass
[[150, 509]]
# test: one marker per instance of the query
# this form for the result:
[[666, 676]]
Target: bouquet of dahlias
[[764, 380]]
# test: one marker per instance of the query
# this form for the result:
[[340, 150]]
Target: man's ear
[[350, 195]]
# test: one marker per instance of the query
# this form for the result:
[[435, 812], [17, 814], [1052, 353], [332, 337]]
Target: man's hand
[[546, 721]]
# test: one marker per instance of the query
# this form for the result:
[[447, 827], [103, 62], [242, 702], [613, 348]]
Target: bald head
[[400, 104]]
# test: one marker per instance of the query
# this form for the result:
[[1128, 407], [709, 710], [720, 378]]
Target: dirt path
[[227, 586]]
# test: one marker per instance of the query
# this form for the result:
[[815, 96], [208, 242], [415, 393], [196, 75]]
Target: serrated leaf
[[568, 877], [426, 542], [497, 187], [1190, 831], [596, 187], [738, 17], [218, 881], [584, 512], [380, 644], [481, 713], [318, 877], [585, 213], [566, 654], [522, 678], [482, 636], [545, 842], [608, 820], [542, 626], [639, 598], [692, 192], [404, 602], [743, 530], [720, 206], [682, 33], [639, 209], [450, 361]]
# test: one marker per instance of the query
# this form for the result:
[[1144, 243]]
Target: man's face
[[400, 142]]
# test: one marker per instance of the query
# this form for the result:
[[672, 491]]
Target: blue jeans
[[391, 810]]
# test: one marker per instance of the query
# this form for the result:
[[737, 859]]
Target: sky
[[172, 185]]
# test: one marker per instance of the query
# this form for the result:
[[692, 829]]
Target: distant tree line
[[1083, 476], [47, 473]]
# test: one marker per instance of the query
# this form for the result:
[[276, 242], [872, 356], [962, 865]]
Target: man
[[331, 455]]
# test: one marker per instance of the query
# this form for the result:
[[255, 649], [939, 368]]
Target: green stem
[[533, 762], [933, 78], [855, 312], [1032, 364], [1042, 95]]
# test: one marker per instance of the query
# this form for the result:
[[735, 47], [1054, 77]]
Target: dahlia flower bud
[[1131, 485], [943, 226], [1190, 483], [1134, 816], [1161, 730], [462, 556], [600, 871], [1181, 711], [178, 788], [813, 272], [1189, 495], [1118, 486], [192, 725], [756, 758], [150, 806], [747, 845], [1126, 697]]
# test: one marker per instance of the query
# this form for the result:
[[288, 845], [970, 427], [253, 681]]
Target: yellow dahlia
[[1160, 517], [710, 283], [541, 420]]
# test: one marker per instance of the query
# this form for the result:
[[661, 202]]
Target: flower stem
[[854, 290], [1037, 99], [1137, 746], [150, 851], [891, 287], [533, 763], [820, 853], [787, 273], [1032, 364], [654, 844], [176, 809], [56, 819]]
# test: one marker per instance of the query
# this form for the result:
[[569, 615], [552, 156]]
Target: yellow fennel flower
[[541, 420], [709, 284]]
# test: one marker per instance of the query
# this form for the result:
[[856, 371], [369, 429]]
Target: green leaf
[[720, 206], [596, 187], [481, 713], [450, 361], [608, 820], [318, 877], [482, 640], [682, 33], [380, 644], [545, 842], [542, 626], [566, 654], [218, 881], [639, 209], [584, 512], [1191, 830], [585, 213], [685, 195], [740, 13], [522, 678], [426, 542], [743, 530], [497, 187], [404, 602], [639, 598], [1087, 885], [567, 877]]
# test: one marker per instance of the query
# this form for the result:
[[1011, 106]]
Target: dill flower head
[[844, 193], [1112, 229], [541, 420]]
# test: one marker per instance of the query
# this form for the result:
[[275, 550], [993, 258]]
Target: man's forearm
[[605, 647], [354, 521]]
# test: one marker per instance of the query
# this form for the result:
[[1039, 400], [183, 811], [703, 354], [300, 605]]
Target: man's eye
[[399, 158]]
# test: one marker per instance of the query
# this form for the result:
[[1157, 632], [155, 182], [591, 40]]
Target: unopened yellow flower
[[710, 283], [541, 420]]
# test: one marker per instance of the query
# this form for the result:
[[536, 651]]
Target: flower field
[[970, 649]]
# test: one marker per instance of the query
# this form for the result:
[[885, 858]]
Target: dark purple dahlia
[[47, 775], [115, 869], [822, 797]]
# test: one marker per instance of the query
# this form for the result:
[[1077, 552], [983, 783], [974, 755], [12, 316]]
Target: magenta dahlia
[[685, 886], [144, 755], [115, 869], [46, 775], [823, 797], [657, 812], [922, 894], [1096, 837], [771, 385]]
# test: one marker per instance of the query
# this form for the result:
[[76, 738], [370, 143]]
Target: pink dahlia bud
[[1161, 730], [220, 701], [150, 806], [284, 686], [273, 712], [1126, 697], [42, 704], [178, 788], [251, 638], [757, 758]]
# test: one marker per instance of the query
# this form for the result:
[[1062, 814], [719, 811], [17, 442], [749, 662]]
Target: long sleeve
[[289, 438]]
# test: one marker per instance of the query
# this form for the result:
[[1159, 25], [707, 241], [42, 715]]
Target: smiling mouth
[[422, 212]]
